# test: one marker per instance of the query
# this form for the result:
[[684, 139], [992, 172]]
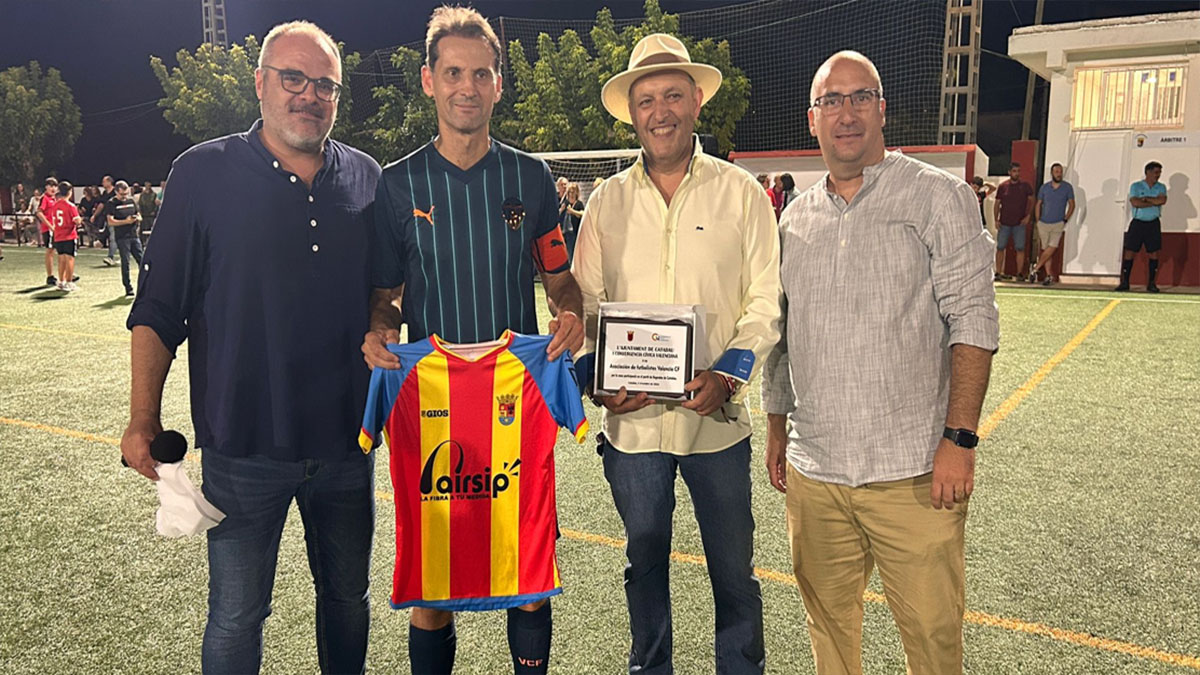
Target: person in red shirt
[[49, 197], [765, 181], [1013, 212], [64, 218]]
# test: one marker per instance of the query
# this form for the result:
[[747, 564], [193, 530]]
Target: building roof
[[1104, 23], [1049, 48]]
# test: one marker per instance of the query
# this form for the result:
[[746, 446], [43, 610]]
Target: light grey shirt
[[875, 293]]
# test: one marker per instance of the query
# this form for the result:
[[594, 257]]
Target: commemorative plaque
[[646, 348]]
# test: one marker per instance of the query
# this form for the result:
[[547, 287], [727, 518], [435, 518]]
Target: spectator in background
[[101, 218], [765, 181], [571, 218], [87, 207], [1147, 198], [789, 190], [147, 204], [777, 191], [19, 199], [123, 223], [1013, 211], [982, 190], [49, 197], [1055, 204], [25, 220], [560, 186]]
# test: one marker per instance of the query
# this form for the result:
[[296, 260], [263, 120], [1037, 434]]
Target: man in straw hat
[[888, 337], [680, 226]]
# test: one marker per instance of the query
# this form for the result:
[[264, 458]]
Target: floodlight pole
[[212, 15], [1025, 119], [959, 111]]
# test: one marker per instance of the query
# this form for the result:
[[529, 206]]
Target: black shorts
[[65, 248], [1144, 232], [47, 240]]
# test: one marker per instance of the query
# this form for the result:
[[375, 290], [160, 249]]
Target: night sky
[[102, 48]]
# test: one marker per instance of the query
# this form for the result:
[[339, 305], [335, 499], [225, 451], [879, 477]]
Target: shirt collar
[[871, 173], [489, 159], [255, 141]]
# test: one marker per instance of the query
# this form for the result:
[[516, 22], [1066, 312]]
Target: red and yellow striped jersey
[[471, 431]]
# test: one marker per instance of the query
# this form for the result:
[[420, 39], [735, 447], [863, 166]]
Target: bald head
[[854, 58]]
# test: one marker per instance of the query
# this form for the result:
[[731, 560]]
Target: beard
[[299, 135]]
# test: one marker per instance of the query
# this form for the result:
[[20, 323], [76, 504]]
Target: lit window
[[1131, 97]]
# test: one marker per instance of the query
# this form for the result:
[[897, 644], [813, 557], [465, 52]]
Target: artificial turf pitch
[[1083, 541]]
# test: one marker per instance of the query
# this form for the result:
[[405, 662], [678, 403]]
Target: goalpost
[[583, 167]]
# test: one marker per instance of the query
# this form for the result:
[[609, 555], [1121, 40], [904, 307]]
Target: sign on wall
[[1166, 139]]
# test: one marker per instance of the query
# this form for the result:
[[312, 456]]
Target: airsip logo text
[[456, 484]]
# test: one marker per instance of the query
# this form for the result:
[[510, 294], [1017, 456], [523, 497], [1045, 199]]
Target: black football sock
[[1126, 270], [1153, 272], [431, 652], [529, 639]]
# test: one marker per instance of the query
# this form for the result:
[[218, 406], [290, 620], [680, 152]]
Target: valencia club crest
[[514, 212]]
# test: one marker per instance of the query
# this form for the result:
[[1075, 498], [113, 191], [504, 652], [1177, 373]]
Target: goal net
[[778, 44], [584, 167]]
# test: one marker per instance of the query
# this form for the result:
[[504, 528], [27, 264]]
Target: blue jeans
[[1014, 232], [643, 487], [129, 246], [337, 505]]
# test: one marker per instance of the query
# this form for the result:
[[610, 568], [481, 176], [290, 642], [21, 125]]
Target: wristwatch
[[963, 438]]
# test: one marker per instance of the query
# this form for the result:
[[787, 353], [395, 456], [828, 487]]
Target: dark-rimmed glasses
[[859, 100], [295, 82]]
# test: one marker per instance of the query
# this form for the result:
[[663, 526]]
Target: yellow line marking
[[52, 331], [977, 618], [82, 435], [1010, 404]]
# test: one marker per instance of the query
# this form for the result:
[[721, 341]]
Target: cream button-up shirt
[[716, 245]]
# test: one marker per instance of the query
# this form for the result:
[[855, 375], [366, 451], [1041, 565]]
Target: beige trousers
[[839, 533]]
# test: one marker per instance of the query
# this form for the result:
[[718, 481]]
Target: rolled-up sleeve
[[173, 268], [961, 253], [778, 395], [757, 329]]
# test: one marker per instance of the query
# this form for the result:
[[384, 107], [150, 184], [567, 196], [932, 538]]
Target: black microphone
[[167, 447]]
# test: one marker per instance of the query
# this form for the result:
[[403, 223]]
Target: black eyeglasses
[[295, 82], [859, 100]]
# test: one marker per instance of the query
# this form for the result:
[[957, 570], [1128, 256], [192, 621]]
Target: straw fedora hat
[[654, 53]]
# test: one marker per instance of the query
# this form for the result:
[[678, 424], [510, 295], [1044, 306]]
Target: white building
[[1123, 92]]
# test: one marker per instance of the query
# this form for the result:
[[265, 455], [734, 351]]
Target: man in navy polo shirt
[[1147, 198], [269, 287], [461, 225]]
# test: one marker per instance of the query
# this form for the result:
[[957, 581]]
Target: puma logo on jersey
[[427, 215], [556, 242]]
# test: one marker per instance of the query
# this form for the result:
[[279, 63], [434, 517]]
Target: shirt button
[[293, 179], [843, 243], [313, 222], [275, 164], [310, 199], [316, 248]]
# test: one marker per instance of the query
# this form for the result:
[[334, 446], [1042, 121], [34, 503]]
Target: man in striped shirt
[[461, 226]]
